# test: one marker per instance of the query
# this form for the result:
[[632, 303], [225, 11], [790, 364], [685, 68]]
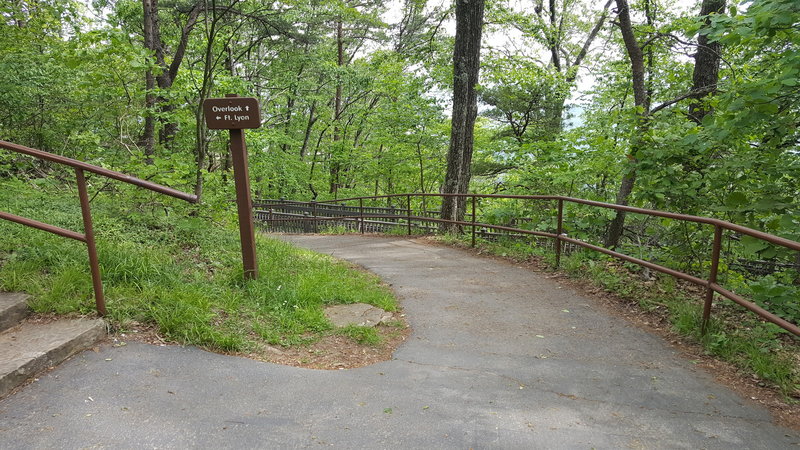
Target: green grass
[[732, 334], [175, 267], [362, 335]]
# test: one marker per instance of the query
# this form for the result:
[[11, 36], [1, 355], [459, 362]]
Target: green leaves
[[777, 296], [736, 200], [752, 246]]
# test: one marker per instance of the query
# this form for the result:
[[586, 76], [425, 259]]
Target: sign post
[[234, 113]]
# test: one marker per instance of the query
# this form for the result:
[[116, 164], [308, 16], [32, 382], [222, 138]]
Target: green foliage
[[528, 100], [180, 273], [76, 86], [778, 294]]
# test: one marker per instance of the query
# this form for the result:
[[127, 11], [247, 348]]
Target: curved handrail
[[41, 154], [794, 245], [88, 233], [709, 284]]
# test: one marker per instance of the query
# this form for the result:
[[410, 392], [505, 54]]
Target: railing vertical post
[[712, 277], [559, 230], [88, 231], [314, 216], [408, 204], [361, 213], [473, 220]]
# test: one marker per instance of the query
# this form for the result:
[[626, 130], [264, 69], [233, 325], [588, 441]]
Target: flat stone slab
[[359, 314], [29, 348], [13, 308]]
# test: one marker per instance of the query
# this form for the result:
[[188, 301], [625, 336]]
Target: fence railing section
[[352, 214], [87, 236]]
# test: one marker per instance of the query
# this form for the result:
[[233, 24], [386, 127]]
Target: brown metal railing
[[88, 232], [710, 284]]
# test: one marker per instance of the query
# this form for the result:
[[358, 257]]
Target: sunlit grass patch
[[179, 272]]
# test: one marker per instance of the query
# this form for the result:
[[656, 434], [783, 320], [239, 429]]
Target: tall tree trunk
[[337, 111], [169, 72], [421, 173], [291, 99], [706, 73], [201, 140], [706, 64], [642, 101], [154, 45], [379, 157], [150, 22], [560, 61], [312, 118], [466, 65], [616, 226]]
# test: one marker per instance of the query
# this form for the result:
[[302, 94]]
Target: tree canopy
[[692, 109]]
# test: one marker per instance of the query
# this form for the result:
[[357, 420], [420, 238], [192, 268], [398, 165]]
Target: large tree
[[642, 99], [706, 63], [556, 38], [157, 105], [466, 65], [640, 56]]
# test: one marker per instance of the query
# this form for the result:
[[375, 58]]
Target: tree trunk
[[201, 140], [705, 77], [706, 64], [291, 98], [635, 55], [168, 73], [200, 152], [337, 111], [642, 101], [421, 173], [466, 65], [150, 22], [615, 228], [312, 118], [561, 63], [165, 79]]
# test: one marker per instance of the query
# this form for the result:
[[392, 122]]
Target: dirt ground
[[330, 352]]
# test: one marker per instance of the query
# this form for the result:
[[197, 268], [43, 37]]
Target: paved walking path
[[500, 357]]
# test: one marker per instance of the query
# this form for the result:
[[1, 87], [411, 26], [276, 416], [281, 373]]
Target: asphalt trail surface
[[499, 357]]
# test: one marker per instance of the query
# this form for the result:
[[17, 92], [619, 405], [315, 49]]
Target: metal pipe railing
[[83, 195], [114, 175], [710, 284]]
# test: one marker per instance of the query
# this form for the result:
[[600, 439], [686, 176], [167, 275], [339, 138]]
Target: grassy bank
[[175, 267]]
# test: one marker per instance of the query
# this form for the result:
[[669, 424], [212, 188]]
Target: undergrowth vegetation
[[733, 334], [176, 267]]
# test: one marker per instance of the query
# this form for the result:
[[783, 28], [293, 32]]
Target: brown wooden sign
[[232, 113]]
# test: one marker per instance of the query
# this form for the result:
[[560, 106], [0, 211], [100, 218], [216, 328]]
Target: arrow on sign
[[218, 117], [247, 108]]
